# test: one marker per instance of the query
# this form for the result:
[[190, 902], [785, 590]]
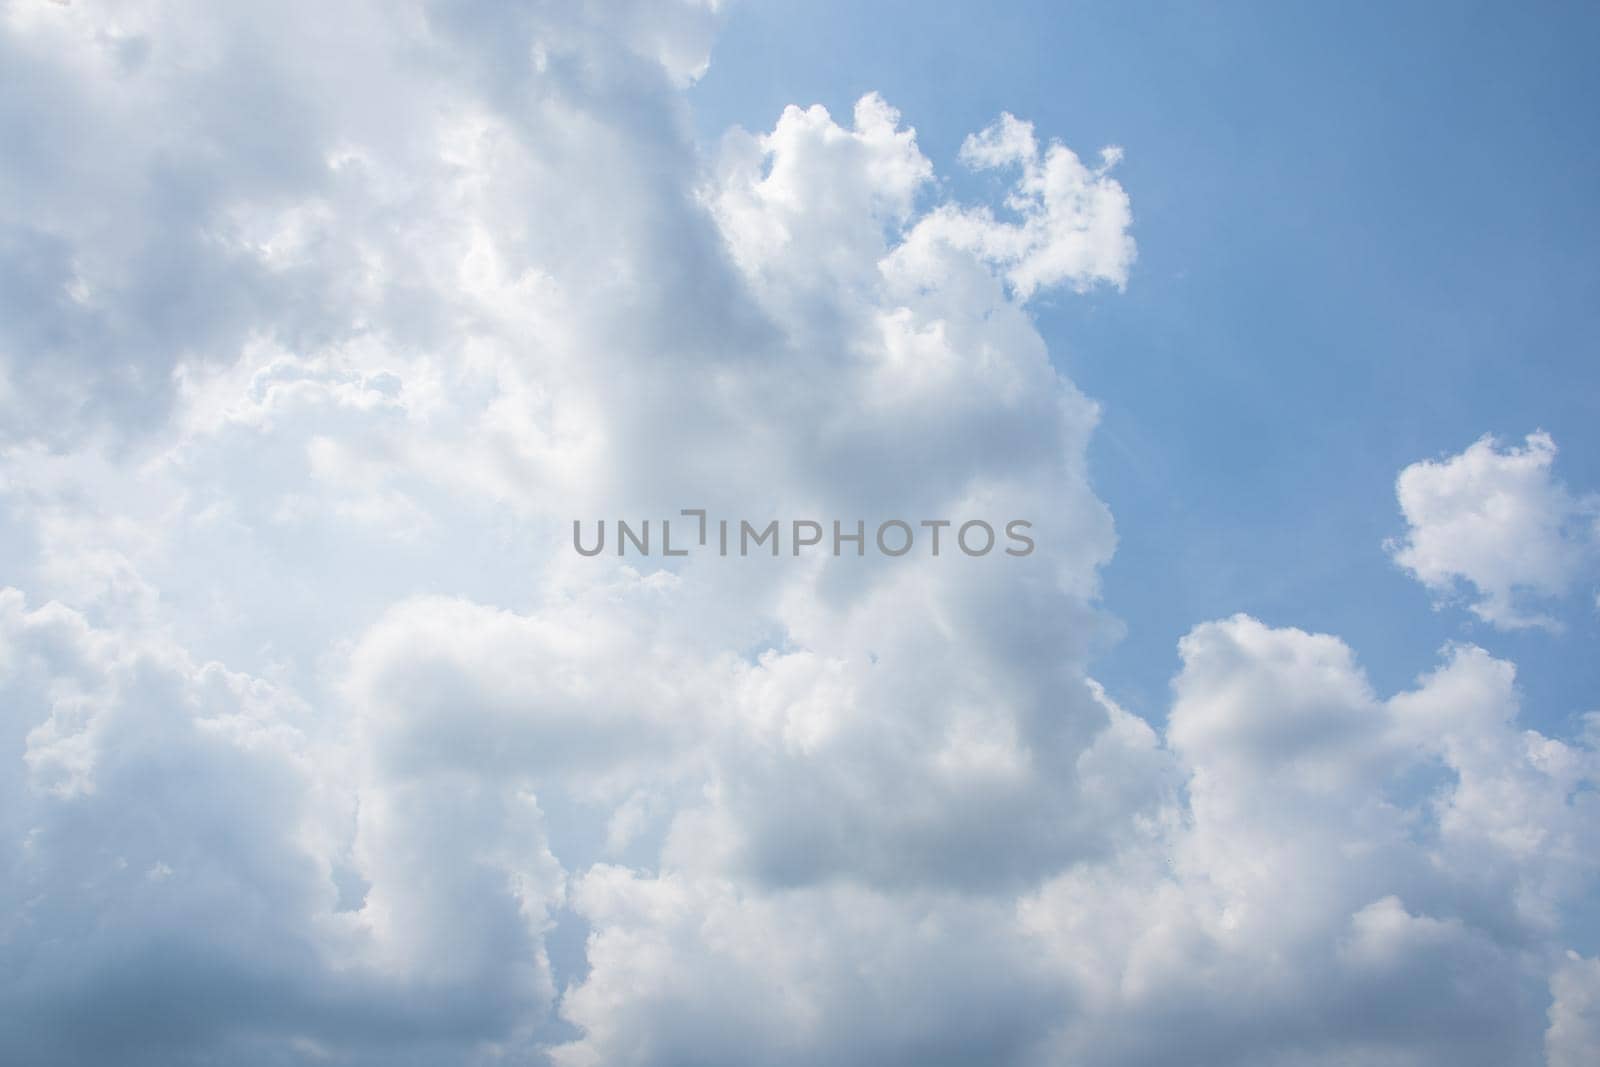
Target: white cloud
[[1575, 1013], [1305, 905], [1498, 520], [1074, 219], [323, 745]]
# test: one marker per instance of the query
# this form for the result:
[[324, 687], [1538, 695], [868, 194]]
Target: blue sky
[[1367, 236]]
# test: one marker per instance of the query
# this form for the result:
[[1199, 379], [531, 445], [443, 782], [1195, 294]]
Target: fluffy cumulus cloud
[[1498, 520], [322, 745], [1575, 1016]]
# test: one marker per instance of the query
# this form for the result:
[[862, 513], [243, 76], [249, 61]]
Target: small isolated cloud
[[1074, 218], [1498, 520], [1065, 223]]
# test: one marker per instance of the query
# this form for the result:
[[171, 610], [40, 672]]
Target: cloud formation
[[323, 746], [1500, 521]]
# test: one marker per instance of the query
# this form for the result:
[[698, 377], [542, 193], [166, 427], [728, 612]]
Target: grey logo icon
[[741, 537]]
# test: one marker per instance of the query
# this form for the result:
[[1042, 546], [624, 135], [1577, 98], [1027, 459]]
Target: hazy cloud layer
[[321, 325]]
